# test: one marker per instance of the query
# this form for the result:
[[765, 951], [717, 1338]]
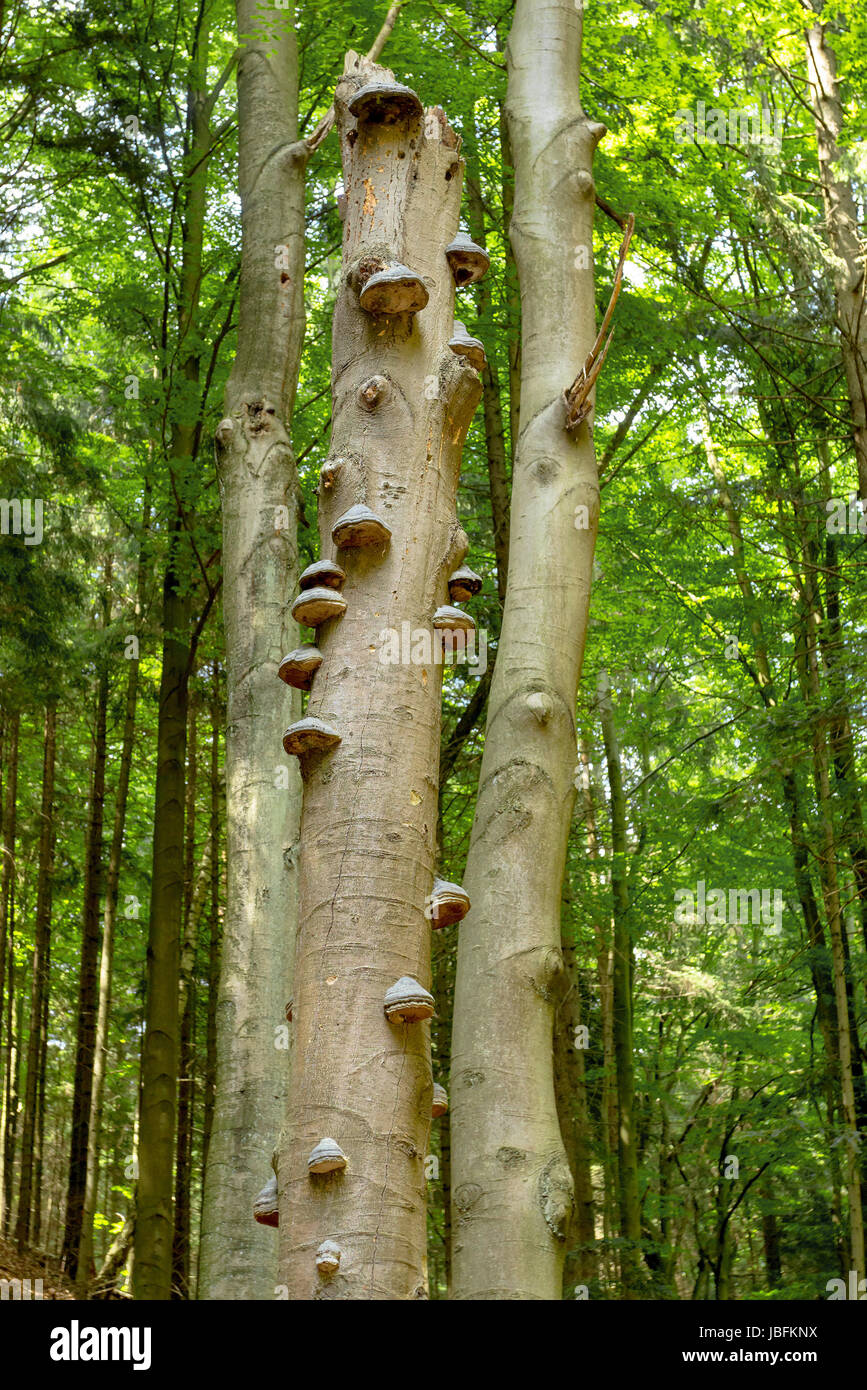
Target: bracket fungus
[[265, 1207], [315, 606], [328, 1257], [463, 584], [327, 1157], [448, 904], [299, 667], [440, 1102], [359, 527], [385, 103], [467, 260], [324, 573], [394, 290], [464, 345], [407, 1001], [448, 619], [309, 736]]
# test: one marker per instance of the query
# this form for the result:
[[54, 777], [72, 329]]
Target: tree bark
[[512, 1189], [260, 563], [152, 1267], [402, 405], [109, 917], [88, 976], [39, 990]]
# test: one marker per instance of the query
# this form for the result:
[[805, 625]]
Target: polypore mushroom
[[265, 1207], [328, 1257], [315, 606], [448, 904], [407, 1001], [463, 345], [385, 103], [463, 584], [358, 527], [467, 260], [327, 1157], [448, 619], [394, 290], [326, 573], [309, 736], [440, 1102], [299, 667]]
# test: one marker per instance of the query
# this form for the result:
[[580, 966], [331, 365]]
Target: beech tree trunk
[[260, 564], [511, 1186], [402, 403]]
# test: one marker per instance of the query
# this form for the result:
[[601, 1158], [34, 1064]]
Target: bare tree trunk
[[39, 991], [510, 1227], [402, 405], [260, 564]]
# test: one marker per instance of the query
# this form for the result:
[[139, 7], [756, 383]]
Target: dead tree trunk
[[369, 749], [511, 1185]]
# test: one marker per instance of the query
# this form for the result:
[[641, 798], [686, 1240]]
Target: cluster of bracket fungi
[[386, 291]]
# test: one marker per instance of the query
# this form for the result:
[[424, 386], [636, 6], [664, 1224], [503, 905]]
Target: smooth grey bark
[[402, 402], [512, 1192], [259, 500]]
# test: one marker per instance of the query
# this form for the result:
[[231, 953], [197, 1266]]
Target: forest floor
[[31, 1265]]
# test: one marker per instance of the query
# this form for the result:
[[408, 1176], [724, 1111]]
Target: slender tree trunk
[[210, 1080], [109, 915], [7, 898], [495, 434], [186, 1008], [88, 993], [402, 405], [512, 1189], [622, 1007], [152, 1265], [39, 992]]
